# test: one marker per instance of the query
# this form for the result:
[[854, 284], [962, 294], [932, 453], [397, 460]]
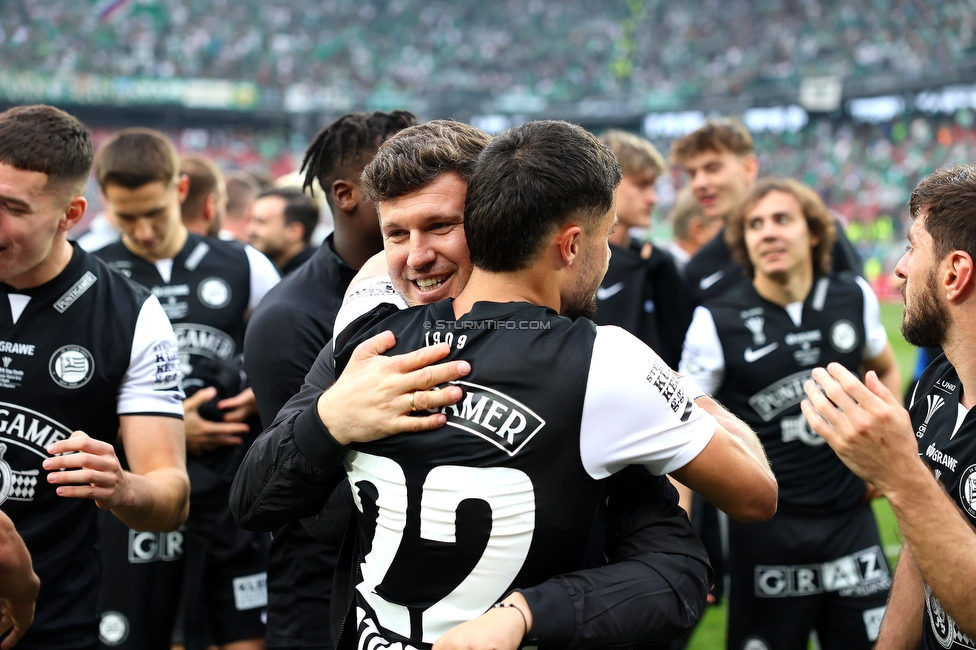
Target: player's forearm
[[756, 490], [942, 543], [17, 578], [158, 500], [901, 628]]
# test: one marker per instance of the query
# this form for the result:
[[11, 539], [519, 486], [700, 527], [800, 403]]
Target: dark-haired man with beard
[[931, 604], [432, 217]]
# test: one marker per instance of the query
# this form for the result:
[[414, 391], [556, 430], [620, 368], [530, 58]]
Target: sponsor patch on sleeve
[[662, 378], [167, 366]]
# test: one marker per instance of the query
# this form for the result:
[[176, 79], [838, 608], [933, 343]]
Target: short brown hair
[[686, 207], [820, 223], [716, 134], [205, 179], [947, 198], [634, 153], [47, 140], [135, 157], [417, 155]]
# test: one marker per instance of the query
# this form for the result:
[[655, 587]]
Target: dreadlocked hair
[[343, 148]]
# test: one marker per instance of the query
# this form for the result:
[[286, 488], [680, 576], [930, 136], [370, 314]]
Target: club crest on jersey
[[504, 422], [113, 629], [71, 366], [967, 490], [214, 292], [15, 485], [934, 403], [843, 336]]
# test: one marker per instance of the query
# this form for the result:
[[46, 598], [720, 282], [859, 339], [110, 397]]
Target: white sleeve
[[702, 357], [635, 412], [364, 297], [151, 385], [874, 332], [264, 275]]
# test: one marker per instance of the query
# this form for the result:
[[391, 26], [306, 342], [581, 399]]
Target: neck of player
[[784, 288], [355, 244], [960, 349], [522, 286]]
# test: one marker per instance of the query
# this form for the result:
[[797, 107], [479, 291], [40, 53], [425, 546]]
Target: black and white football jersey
[[75, 354], [754, 357], [207, 290], [946, 433], [504, 494]]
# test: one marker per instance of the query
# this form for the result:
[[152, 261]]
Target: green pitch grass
[[710, 634]]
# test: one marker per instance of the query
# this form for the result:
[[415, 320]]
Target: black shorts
[[796, 573], [218, 568], [226, 586], [142, 575]]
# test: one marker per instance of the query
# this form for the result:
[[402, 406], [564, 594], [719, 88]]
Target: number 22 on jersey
[[508, 494]]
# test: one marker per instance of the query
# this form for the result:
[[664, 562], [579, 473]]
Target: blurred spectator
[[205, 203], [690, 228], [281, 225], [560, 51], [242, 189]]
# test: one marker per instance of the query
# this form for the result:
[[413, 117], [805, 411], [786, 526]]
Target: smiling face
[[149, 217], [720, 180], [778, 238], [33, 223], [423, 237]]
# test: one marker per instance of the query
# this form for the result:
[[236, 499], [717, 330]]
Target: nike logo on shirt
[[709, 280], [755, 355], [604, 293]]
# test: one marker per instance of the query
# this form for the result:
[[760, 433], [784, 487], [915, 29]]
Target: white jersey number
[[506, 490]]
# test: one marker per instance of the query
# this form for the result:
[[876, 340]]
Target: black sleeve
[[652, 592], [291, 468], [674, 307], [276, 365], [843, 255]]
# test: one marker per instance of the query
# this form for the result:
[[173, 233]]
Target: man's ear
[[210, 207], [294, 231], [346, 195], [182, 187], [751, 165], [568, 241], [73, 213], [958, 278]]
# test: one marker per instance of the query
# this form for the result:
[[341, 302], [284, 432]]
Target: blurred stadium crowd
[[433, 46], [565, 53]]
